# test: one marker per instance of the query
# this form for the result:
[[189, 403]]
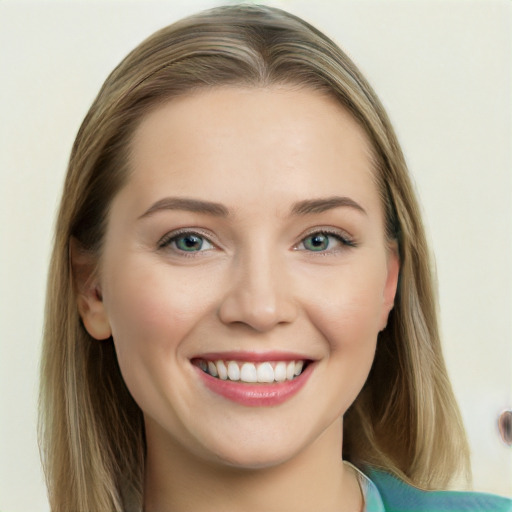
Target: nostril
[[259, 311]]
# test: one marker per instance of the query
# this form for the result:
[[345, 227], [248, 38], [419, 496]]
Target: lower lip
[[257, 395]]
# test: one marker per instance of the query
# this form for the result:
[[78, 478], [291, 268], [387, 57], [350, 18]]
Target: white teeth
[[248, 373], [280, 372], [212, 369], [233, 371], [222, 370], [265, 372], [290, 370]]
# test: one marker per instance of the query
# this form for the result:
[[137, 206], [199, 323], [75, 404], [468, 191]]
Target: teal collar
[[384, 492]]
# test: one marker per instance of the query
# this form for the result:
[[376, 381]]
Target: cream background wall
[[442, 68]]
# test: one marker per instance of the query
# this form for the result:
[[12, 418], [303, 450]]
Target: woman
[[240, 289]]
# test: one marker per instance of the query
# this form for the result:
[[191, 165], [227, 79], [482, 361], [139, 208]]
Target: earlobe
[[93, 314], [88, 292]]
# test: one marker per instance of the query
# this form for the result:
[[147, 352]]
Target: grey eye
[[186, 242], [317, 242], [189, 242]]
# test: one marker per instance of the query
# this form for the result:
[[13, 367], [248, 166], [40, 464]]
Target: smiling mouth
[[249, 372]]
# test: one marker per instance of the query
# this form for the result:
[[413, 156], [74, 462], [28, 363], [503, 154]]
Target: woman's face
[[248, 241]]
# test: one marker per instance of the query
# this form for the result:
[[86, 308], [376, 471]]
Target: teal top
[[386, 493]]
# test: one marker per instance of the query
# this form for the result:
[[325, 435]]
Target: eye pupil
[[189, 243], [317, 242]]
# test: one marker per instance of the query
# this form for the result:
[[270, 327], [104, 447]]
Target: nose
[[259, 295]]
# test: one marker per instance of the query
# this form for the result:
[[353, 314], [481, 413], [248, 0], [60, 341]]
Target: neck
[[314, 479]]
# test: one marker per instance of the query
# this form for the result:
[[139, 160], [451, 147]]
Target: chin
[[254, 449], [250, 460]]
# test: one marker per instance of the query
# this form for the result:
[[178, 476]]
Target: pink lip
[[254, 357], [255, 395]]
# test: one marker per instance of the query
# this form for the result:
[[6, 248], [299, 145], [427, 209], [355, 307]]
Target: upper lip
[[254, 357]]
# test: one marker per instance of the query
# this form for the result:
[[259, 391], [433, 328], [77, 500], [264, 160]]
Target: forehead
[[251, 142]]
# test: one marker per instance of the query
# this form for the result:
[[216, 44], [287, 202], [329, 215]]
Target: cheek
[[147, 299], [348, 318], [348, 308], [151, 311]]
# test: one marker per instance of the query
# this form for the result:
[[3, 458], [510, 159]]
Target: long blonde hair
[[405, 419]]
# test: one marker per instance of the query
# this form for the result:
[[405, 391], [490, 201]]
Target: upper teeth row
[[250, 372]]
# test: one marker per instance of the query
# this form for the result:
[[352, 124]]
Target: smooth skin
[[278, 263]]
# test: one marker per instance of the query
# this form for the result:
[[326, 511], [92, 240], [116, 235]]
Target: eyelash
[[343, 238], [171, 238], [167, 240]]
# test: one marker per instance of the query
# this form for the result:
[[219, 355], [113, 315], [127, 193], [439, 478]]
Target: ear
[[88, 291], [390, 287]]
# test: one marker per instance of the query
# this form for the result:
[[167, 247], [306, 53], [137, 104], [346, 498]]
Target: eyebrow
[[306, 207], [186, 204], [312, 206]]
